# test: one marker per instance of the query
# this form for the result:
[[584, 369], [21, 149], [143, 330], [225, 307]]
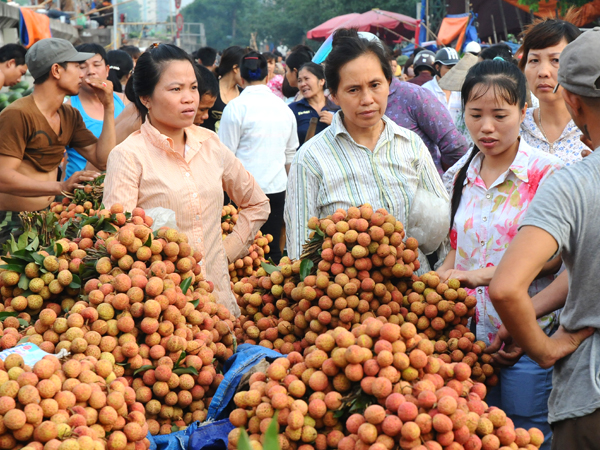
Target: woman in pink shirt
[[172, 163]]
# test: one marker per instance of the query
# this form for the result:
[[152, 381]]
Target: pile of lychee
[[377, 387], [79, 404], [135, 298]]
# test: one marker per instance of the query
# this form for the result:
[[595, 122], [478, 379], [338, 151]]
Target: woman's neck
[[367, 136], [177, 135], [493, 166], [228, 82], [555, 117], [317, 101]]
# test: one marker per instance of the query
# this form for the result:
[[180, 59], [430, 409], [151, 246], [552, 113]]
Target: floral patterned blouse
[[276, 86], [567, 147], [487, 220]]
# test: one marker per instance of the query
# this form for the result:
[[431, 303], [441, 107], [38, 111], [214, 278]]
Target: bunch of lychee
[[229, 217], [379, 385], [250, 265], [75, 405]]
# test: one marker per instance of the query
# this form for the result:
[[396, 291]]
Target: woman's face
[[237, 75], [174, 103], [494, 124], [362, 93], [292, 76], [541, 71], [271, 66], [309, 84]]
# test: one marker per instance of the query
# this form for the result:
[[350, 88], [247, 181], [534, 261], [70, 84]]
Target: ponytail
[[253, 67], [457, 189]]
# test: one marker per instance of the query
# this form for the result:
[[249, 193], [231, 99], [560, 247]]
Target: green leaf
[[23, 282], [24, 340], [23, 323], [227, 217], [305, 267], [34, 245], [5, 314], [174, 428], [181, 357], [22, 242], [185, 285], [271, 439], [76, 283], [319, 232], [195, 303], [244, 441], [188, 370], [143, 369], [13, 267], [39, 259], [269, 268], [59, 249]]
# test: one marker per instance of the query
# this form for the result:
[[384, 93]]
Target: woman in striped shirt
[[363, 157]]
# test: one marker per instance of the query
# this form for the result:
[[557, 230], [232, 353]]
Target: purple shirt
[[418, 110]]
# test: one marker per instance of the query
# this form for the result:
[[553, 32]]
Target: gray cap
[[579, 70], [45, 53]]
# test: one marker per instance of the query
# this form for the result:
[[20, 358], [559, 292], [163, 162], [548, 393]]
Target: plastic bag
[[31, 353], [429, 220], [162, 217], [178, 440]]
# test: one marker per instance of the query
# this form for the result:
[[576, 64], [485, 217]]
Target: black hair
[[501, 50], [43, 78], [277, 53], [132, 51], [206, 55], [508, 83], [253, 67], [149, 69], [121, 65], [546, 33], [347, 45], [301, 54], [315, 69], [13, 51], [287, 90], [231, 57], [97, 49], [207, 82], [269, 56]]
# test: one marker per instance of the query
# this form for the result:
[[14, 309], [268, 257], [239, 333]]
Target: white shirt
[[453, 103], [260, 130]]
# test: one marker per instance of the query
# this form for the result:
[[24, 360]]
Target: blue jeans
[[522, 394]]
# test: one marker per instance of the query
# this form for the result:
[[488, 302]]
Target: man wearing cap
[[563, 219], [423, 67], [445, 59], [36, 129]]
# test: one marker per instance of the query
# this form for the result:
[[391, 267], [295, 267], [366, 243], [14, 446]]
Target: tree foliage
[[231, 22], [563, 5]]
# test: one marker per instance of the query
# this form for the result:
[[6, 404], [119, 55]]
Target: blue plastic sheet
[[235, 367], [174, 441], [211, 436]]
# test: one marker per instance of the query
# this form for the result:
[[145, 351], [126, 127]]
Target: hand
[[74, 182], [561, 344], [325, 117], [103, 90], [504, 351], [467, 279]]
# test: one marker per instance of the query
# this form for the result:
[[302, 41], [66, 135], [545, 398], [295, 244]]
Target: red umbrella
[[389, 26], [323, 31]]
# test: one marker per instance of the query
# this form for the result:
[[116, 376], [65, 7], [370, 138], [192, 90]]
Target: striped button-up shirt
[[145, 171], [332, 171]]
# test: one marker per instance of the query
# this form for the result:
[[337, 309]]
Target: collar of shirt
[[518, 166], [329, 105], [434, 86], [255, 89], [194, 137], [530, 126], [338, 128]]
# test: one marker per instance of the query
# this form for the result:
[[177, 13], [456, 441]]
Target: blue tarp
[[235, 367]]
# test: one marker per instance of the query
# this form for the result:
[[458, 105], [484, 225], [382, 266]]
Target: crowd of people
[[483, 154]]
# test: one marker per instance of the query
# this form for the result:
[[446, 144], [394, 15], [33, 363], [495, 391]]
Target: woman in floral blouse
[[491, 194]]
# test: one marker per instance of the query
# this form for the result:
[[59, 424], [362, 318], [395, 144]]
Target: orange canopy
[[453, 28], [547, 9]]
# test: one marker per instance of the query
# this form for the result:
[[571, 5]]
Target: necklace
[[551, 144]]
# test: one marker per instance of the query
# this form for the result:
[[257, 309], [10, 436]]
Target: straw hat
[[455, 77]]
